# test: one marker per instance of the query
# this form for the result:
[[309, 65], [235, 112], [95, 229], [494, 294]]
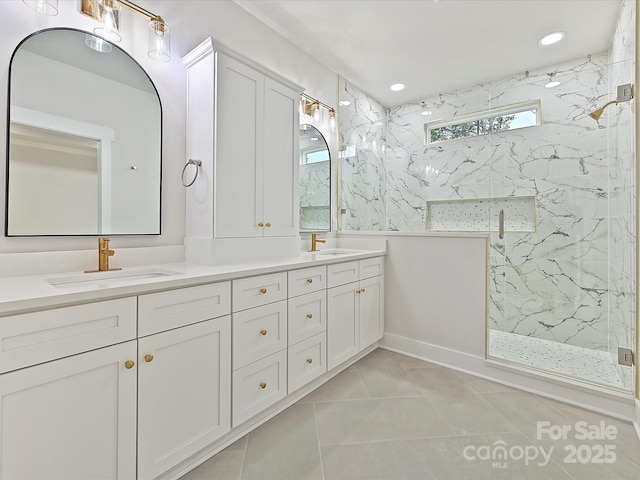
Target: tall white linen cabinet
[[243, 126]]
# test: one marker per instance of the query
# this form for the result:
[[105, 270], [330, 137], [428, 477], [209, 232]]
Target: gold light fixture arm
[[87, 8], [311, 103]]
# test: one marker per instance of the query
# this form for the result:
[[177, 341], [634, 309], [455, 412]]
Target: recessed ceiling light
[[396, 87], [344, 103], [427, 112], [551, 38], [552, 84]]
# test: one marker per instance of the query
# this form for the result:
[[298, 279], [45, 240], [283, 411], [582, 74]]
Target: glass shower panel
[[561, 295]]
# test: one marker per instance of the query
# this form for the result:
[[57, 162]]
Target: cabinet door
[[73, 418], [371, 310], [239, 150], [281, 147], [184, 398], [343, 329]]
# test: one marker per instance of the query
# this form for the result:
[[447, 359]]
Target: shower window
[[509, 117]]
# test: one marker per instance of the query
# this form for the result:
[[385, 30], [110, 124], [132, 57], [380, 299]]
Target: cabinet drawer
[[255, 291], [158, 312], [371, 267], [258, 386], [341, 273], [307, 280], [307, 316], [259, 332], [31, 338], [307, 361]]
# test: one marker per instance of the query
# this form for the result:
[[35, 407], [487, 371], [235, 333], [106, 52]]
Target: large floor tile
[[389, 380], [378, 419], [471, 457], [284, 448], [225, 465], [472, 414], [525, 411], [362, 461], [626, 438], [346, 385]]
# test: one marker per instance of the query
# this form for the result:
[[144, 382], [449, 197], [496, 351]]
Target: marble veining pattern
[[572, 280]]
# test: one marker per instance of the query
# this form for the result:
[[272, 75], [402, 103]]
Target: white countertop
[[30, 293]]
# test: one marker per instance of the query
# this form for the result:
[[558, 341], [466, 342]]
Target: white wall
[[190, 23]]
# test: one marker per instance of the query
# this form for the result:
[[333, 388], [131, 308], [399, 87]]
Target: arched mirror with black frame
[[84, 139], [315, 181]]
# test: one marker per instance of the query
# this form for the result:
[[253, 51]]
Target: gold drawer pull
[[309, 315], [129, 364], [309, 280], [263, 332], [309, 360], [261, 224], [263, 290], [263, 385], [148, 357], [267, 224]]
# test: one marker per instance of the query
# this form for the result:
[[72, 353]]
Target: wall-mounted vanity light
[[107, 13], [312, 107], [45, 7]]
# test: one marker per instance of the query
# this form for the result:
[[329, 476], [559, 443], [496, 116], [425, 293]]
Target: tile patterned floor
[[392, 417], [555, 357]]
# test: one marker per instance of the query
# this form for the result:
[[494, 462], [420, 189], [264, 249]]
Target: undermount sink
[[108, 278], [335, 251]]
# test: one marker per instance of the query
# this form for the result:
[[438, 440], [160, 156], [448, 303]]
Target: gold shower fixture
[[625, 94]]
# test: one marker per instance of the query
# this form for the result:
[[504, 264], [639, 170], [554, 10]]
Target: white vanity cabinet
[[355, 308], [68, 407], [307, 325], [259, 322], [184, 374], [257, 144], [243, 125]]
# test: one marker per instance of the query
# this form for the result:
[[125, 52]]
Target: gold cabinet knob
[[263, 290], [263, 332], [261, 224], [309, 280], [358, 291], [309, 315], [129, 364], [148, 357], [267, 224], [263, 385], [309, 360], [363, 290]]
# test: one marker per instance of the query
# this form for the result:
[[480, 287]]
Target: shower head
[[598, 113], [625, 94]]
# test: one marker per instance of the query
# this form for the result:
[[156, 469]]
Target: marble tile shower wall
[[551, 284], [362, 169], [620, 123]]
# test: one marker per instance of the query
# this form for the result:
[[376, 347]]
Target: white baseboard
[[583, 395]]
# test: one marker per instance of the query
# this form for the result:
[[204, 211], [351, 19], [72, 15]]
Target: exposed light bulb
[[43, 7], [332, 120]]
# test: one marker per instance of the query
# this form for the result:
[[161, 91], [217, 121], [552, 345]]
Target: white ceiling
[[436, 46]]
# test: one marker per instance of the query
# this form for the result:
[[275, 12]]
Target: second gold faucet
[[314, 241], [104, 252]]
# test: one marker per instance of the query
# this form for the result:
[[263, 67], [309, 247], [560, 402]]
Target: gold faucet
[[314, 241], [104, 252]]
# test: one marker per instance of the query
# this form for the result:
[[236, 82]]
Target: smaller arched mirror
[[315, 181]]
